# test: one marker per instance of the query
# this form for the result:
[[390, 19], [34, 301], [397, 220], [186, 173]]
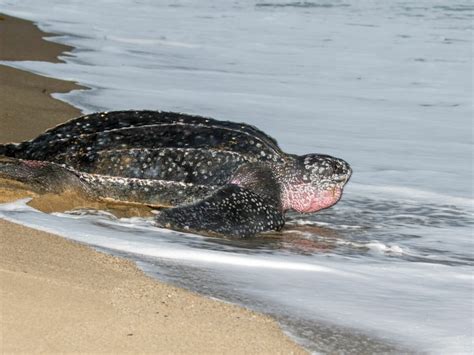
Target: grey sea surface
[[385, 85]]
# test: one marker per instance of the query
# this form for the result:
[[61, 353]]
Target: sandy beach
[[60, 296]]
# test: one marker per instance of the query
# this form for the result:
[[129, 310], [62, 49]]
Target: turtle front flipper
[[231, 211]]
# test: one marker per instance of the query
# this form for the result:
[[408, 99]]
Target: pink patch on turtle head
[[324, 199], [305, 198]]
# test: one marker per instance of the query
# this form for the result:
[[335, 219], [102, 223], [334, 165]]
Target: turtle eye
[[341, 168]]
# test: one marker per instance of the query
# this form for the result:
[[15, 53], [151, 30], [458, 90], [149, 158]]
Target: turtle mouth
[[341, 179], [341, 175]]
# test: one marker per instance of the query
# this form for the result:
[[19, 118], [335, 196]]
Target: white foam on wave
[[382, 248], [305, 222], [377, 247], [152, 41]]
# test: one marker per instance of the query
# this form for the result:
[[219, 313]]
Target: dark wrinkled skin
[[222, 177]]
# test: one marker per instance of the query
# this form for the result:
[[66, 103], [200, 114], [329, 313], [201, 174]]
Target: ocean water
[[385, 85]]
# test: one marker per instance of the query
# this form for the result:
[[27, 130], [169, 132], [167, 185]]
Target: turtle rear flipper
[[232, 211], [41, 176]]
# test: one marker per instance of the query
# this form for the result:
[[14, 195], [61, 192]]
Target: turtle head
[[314, 182]]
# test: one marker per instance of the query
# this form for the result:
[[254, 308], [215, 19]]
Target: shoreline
[[62, 296]]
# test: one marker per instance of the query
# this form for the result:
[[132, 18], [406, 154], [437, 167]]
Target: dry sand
[[59, 296]]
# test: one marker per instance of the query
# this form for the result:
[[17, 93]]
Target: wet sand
[[60, 296], [26, 105]]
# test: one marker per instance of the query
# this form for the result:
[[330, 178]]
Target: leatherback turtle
[[203, 174]]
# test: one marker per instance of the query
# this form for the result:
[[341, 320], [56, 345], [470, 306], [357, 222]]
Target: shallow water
[[385, 85]]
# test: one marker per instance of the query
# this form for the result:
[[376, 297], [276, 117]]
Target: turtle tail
[[9, 150]]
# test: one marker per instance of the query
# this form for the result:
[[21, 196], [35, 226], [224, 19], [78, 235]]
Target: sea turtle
[[203, 174]]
